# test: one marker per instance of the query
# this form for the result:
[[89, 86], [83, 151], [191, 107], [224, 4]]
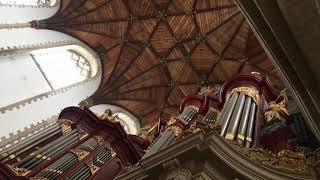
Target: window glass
[[62, 67]]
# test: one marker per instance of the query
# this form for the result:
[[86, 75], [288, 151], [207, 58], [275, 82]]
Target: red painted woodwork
[[112, 132]]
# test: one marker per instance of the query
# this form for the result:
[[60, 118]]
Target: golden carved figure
[[107, 115], [277, 110]]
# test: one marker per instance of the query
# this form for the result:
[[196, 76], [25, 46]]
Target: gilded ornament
[[113, 153], [108, 116], [65, 125], [192, 130], [212, 127], [209, 90], [254, 94], [178, 132], [82, 133], [93, 168], [172, 120], [286, 159], [99, 139], [277, 110], [19, 171], [79, 153]]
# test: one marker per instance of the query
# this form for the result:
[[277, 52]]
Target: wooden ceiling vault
[[155, 52]]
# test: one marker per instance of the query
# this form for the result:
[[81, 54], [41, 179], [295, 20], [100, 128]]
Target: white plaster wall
[[18, 14], [20, 79], [30, 36], [17, 119]]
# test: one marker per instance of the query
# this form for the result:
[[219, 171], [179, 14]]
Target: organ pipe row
[[171, 134], [69, 148]]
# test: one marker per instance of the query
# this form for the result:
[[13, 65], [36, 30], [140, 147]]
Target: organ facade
[[243, 124]]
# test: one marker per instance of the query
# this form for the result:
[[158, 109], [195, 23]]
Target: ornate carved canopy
[[155, 52]]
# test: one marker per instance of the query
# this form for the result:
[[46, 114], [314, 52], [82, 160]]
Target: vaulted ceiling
[[155, 52]]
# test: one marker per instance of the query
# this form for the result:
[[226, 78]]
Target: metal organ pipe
[[32, 160], [227, 114], [251, 123], [31, 141], [244, 121], [51, 152], [238, 119], [235, 118]]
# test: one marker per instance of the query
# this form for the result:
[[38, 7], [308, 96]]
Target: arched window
[[38, 84], [30, 2], [63, 66], [42, 71]]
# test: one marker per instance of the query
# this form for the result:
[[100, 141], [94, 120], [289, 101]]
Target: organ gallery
[[180, 89]]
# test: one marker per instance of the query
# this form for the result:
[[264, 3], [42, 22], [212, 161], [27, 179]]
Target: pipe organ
[[239, 108], [78, 145]]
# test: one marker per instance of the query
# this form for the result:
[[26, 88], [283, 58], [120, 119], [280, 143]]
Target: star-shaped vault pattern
[[156, 52]]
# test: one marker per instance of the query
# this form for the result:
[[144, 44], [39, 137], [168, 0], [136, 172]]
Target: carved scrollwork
[[277, 110], [288, 160], [82, 134], [79, 153], [19, 171], [212, 127], [108, 116], [178, 131], [65, 125], [172, 120], [99, 139], [208, 90], [253, 93], [113, 153], [93, 168]]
